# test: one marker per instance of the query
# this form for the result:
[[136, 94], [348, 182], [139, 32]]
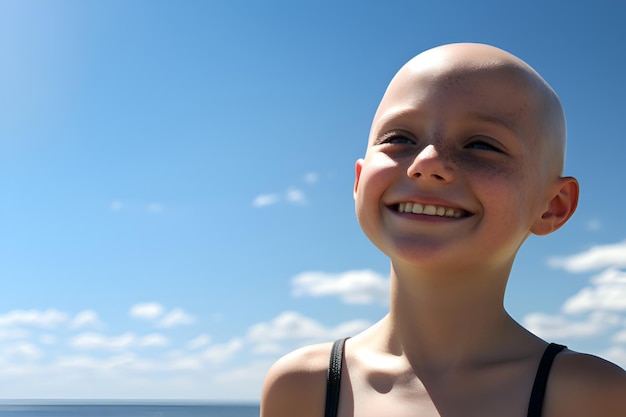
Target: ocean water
[[126, 410]]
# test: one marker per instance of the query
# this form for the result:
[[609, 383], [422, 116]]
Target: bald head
[[451, 66]]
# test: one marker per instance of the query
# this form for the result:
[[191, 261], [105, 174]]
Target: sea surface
[[126, 410]]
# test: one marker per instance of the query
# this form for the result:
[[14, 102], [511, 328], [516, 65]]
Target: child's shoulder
[[296, 383], [587, 385]]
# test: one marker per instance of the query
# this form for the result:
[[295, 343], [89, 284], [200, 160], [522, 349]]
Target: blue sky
[[176, 184]]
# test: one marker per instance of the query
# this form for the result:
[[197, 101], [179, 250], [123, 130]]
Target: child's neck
[[449, 321]]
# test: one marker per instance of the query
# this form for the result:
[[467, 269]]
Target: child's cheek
[[377, 168], [495, 169]]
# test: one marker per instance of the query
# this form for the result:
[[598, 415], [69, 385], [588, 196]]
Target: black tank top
[[537, 395]]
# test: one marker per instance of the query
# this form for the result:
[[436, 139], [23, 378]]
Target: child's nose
[[429, 165]]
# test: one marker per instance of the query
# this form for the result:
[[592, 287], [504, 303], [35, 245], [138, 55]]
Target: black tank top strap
[[333, 379], [538, 393]]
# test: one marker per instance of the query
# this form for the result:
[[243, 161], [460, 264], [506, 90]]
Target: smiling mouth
[[430, 210]]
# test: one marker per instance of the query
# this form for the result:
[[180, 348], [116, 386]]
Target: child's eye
[[396, 138], [482, 145]]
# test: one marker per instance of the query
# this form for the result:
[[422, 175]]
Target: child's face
[[463, 155]]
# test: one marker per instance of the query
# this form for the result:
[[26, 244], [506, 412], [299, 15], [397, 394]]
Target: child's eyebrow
[[405, 113], [504, 122], [410, 114]]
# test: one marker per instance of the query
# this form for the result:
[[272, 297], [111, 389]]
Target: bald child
[[464, 162]]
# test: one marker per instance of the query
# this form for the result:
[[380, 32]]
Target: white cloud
[[8, 334], [198, 342], [593, 225], [49, 318], [218, 354], [155, 208], [86, 318], [116, 205], [268, 348], [292, 326], [292, 195], [153, 340], [619, 337], [47, 339], [608, 292], [288, 325], [188, 363], [264, 200], [176, 317], [154, 311], [311, 177], [96, 341], [597, 257], [560, 327], [296, 196], [610, 276], [136, 206], [90, 363], [242, 376], [146, 311], [353, 287], [22, 350], [123, 364], [91, 341], [616, 354]]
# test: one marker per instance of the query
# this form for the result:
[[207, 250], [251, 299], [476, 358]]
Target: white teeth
[[429, 210]]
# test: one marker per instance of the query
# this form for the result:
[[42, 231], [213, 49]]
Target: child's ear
[[357, 168], [561, 207]]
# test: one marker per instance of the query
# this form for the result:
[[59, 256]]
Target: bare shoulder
[[586, 385], [296, 384]]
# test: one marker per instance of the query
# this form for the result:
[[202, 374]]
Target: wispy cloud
[[596, 311], [352, 287], [96, 341], [86, 318], [620, 337], [13, 333], [264, 200], [198, 342], [155, 312], [20, 351], [116, 205], [36, 318], [615, 354], [311, 178], [46, 360], [293, 194], [607, 292], [176, 317], [222, 352], [597, 257], [153, 207], [555, 327], [146, 311], [593, 225], [292, 326], [47, 339]]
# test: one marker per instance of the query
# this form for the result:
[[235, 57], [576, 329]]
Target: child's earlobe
[[560, 208], [357, 168]]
